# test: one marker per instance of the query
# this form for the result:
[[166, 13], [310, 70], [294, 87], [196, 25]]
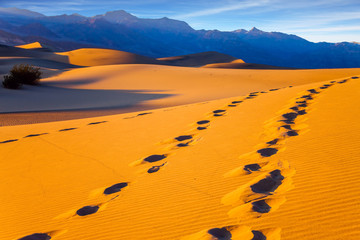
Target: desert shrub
[[24, 74], [10, 82]]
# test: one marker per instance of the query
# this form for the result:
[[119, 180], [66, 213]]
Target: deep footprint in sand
[[115, 188], [261, 206], [183, 138], [155, 158], [36, 236], [220, 233], [154, 169], [252, 167], [142, 114], [87, 210], [236, 102], [203, 122], [292, 133], [66, 129], [267, 152], [273, 142], [258, 235], [268, 184], [35, 135], [95, 123], [313, 91], [219, 113], [9, 141], [290, 116]]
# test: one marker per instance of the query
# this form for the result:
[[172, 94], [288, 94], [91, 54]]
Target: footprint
[[35, 135], [203, 122], [260, 206], [268, 184], [258, 235], [287, 126], [354, 77], [301, 112], [236, 102], [94, 123], [87, 210], [303, 105], [66, 129], [183, 138], [290, 116], [292, 133], [145, 113], [36, 236], [252, 167], [183, 144], [308, 97], [273, 89], [343, 81], [8, 141], [232, 105], [267, 152], [219, 113], [295, 108], [273, 142], [220, 233], [155, 158], [313, 91], [154, 169], [115, 188]]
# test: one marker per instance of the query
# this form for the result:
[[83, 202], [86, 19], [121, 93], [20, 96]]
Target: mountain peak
[[13, 11], [255, 30], [117, 16]]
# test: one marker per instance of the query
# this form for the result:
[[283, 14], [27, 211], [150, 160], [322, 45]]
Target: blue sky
[[314, 20]]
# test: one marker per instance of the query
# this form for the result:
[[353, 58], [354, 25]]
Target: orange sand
[[198, 187], [243, 154]]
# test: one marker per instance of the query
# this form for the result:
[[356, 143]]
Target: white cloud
[[228, 7]]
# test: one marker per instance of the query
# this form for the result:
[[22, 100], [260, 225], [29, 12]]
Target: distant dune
[[31, 45], [50, 62], [98, 56], [240, 64], [198, 59]]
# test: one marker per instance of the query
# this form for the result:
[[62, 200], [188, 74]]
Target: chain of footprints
[[260, 190], [265, 193]]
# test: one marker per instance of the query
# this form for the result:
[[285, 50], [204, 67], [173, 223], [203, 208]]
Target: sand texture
[[267, 163]]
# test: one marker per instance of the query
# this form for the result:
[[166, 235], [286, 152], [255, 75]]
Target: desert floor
[[165, 152]]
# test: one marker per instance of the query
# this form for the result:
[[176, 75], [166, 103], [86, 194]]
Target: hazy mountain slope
[[167, 37]]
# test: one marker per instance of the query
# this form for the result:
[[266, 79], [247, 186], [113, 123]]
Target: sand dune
[[240, 64], [274, 164], [108, 86], [31, 45], [198, 59], [98, 56]]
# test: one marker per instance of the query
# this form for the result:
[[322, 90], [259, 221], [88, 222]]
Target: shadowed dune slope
[[230, 168], [198, 59], [98, 56]]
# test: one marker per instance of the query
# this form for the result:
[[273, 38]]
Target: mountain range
[[166, 37]]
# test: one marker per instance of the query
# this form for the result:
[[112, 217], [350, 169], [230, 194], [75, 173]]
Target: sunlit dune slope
[[270, 164], [198, 59], [99, 56], [188, 85], [31, 45]]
